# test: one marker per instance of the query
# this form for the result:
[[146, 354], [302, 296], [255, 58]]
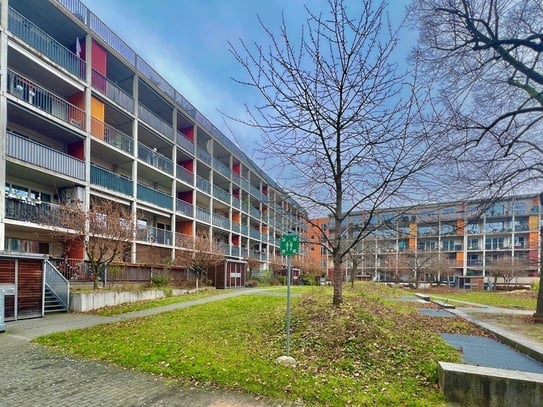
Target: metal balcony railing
[[155, 159], [45, 44], [183, 240], [110, 180], [112, 91], [155, 235], [255, 191], [184, 207], [203, 184], [255, 213], [222, 168], [204, 156], [183, 174], [235, 202], [32, 152], [220, 193], [155, 197], [236, 251], [245, 184], [155, 122], [184, 142], [58, 284], [255, 234], [112, 136], [245, 230], [39, 97], [221, 221], [236, 227], [236, 178], [203, 214]]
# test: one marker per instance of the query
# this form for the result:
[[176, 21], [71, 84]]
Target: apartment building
[[461, 238], [84, 116]]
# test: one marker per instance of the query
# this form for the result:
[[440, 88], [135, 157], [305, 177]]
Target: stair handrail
[[57, 283]]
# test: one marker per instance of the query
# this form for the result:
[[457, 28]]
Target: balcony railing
[[255, 191], [183, 174], [255, 213], [236, 251], [236, 227], [183, 240], [222, 168], [45, 44], [220, 193], [155, 122], [36, 211], [203, 214], [184, 207], [110, 180], [155, 159], [112, 136], [29, 92], [155, 235], [221, 221], [184, 142], [155, 197], [236, 178], [204, 156], [112, 91], [203, 184], [235, 202], [255, 234], [29, 151]]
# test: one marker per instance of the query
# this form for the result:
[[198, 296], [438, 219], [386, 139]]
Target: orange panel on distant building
[[460, 226]]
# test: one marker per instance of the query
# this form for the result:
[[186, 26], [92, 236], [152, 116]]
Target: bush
[[251, 283], [159, 281]]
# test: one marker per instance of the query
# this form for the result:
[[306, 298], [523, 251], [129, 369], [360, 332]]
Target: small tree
[[105, 231], [506, 267], [252, 265], [419, 263], [200, 254]]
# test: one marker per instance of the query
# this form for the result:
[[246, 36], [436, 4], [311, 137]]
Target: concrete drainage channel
[[494, 374]]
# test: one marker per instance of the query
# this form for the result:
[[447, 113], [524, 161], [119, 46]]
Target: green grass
[[368, 352], [505, 299], [141, 305]]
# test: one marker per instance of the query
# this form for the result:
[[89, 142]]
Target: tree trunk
[[538, 316], [338, 281]]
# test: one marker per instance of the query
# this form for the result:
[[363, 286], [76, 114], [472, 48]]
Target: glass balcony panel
[[45, 44], [155, 197], [110, 180], [43, 156]]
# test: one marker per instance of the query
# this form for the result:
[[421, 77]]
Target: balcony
[[183, 174], [155, 122], [112, 91], [155, 159], [245, 230], [43, 156], [203, 214], [255, 213], [221, 194], [155, 235], [154, 197], [204, 156], [255, 234], [235, 202], [203, 184], [222, 168], [184, 208], [255, 191], [27, 31], [112, 136], [110, 180], [29, 92], [236, 251], [236, 227], [36, 211], [221, 221], [184, 142]]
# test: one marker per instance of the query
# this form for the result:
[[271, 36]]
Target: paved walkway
[[31, 375]]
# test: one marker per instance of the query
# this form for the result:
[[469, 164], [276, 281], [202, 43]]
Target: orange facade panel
[[533, 240], [533, 222], [460, 226], [412, 244], [184, 228]]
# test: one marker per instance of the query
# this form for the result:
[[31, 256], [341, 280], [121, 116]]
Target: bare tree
[[336, 115], [507, 267], [420, 264], [104, 231], [484, 60], [200, 254], [252, 265]]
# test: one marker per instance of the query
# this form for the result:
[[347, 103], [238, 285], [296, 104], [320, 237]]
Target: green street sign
[[289, 245]]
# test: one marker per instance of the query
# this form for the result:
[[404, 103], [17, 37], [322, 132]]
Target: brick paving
[[32, 375]]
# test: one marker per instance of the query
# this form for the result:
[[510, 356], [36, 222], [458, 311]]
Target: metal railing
[[112, 91], [155, 235], [220, 193], [58, 284], [184, 207], [110, 180], [222, 168], [112, 136], [203, 184], [154, 158], [221, 221], [203, 214], [32, 152], [183, 174], [204, 156], [154, 196], [184, 142], [45, 44], [39, 97], [155, 122]]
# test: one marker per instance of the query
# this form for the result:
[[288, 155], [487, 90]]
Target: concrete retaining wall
[[82, 302], [476, 386]]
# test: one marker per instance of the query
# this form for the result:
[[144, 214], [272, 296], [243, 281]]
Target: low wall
[[476, 386], [88, 301]]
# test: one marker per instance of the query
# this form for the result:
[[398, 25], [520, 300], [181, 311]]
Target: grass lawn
[[520, 299], [371, 351]]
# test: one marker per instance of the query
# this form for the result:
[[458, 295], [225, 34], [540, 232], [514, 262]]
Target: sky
[[186, 42]]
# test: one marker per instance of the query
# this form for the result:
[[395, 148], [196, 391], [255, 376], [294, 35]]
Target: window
[[473, 228], [324, 252], [493, 243], [473, 244], [447, 229], [494, 227], [519, 242], [448, 244], [519, 208]]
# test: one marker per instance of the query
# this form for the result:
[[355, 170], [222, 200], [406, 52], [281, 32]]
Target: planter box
[[88, 301]]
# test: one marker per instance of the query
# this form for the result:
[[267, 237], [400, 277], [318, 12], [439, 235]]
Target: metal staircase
[[57, 289], [52, 303]]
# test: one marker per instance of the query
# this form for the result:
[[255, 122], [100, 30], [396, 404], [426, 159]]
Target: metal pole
[[288, 305]]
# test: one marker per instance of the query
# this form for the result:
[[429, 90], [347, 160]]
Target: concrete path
[[31, 375]]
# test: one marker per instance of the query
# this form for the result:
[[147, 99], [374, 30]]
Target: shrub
[[159, 281]]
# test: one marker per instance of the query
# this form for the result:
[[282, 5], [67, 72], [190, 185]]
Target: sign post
[[289, 246]]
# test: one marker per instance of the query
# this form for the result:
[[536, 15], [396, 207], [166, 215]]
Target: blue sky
[[186, 41]]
